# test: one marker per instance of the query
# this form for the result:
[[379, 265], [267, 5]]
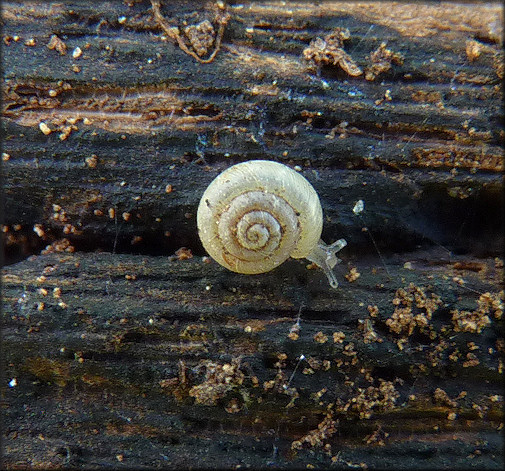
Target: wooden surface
[[116, 352]]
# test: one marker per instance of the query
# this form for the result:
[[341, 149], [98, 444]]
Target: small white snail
[[257, 214]]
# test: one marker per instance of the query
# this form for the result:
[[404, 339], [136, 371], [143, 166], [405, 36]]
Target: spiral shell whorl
[[257, 214], [259, 229]]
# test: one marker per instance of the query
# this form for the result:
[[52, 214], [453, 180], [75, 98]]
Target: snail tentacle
[[324, 256]]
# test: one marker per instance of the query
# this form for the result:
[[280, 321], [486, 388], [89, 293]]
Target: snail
[[256, 214]]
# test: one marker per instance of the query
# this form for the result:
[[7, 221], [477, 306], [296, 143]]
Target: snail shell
[[257, 214]]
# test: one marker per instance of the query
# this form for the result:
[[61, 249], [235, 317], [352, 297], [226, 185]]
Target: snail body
[[257, 214]]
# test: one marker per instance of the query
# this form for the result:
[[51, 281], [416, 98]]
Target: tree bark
[[142, 358]]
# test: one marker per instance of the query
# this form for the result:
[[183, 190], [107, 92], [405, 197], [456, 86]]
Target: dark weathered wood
[[112, 362], [117, 359], [427, 163]]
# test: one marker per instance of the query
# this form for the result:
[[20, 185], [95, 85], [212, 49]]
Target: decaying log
[[116, 352], [170, 363], [421, 144]]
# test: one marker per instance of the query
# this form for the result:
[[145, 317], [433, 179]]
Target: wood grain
[[118, 353]]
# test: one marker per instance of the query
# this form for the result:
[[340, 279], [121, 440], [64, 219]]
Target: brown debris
[[49, 371], [66, 131], [367, 400], [382, 60], [62, 245], [373, 310], [422, 96], [454, 158], [294, 332], [492, 302], [413, 309], [499, 64], [56, 43], [475, 321], [136, 240], [315, 438], [466, 321], [470, 266], [92, 161], [183, 254], [441, 397], [377, 437], [178, 386], [200, 36], [319, 337], [369, 334], [219, 379], [473, 50], [342, 130], [353, 275], [471, 360], [330, 50], [233, 406], [338, 337]]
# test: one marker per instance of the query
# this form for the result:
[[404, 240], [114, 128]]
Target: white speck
[[297, 168], [62, 350], [302, 357], [121, 20], [123, 183], [358, 207], [45, 128], [38, 230], [325, 84], [13, 383], [77, 52], [208, 288]]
